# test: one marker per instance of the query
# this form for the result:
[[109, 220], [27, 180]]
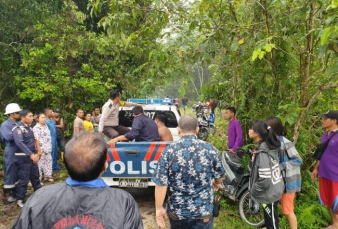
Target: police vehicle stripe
[[150, 151], [115, 153], [159, 151]]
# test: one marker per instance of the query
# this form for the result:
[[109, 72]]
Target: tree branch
[[305, 109]]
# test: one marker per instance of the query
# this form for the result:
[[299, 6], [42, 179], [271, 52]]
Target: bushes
[[309, 212]]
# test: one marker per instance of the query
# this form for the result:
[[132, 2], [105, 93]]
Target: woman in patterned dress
[[42, 134]]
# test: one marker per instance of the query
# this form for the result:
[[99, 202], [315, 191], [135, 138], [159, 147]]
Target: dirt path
[[146, 204]]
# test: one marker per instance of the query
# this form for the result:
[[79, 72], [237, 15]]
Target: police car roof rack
[[152, 101]]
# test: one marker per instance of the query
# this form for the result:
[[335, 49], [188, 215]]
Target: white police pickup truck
[[131, 164]]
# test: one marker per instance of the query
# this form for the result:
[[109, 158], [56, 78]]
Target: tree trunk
[[305, 72]]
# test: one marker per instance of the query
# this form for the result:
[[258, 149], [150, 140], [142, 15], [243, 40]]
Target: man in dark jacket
[[84, 200], [142, 129]]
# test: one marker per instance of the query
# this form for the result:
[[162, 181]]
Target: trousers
[[9, 167], [27, 171], [45, 165], [191, 223], [115, 131], [271, 215]]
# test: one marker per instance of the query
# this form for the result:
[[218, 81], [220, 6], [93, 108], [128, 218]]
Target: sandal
[[49, 179]]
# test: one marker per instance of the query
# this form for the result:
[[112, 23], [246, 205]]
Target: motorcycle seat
[[234, 162]]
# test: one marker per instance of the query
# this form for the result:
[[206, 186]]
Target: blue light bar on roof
[[151, 101]]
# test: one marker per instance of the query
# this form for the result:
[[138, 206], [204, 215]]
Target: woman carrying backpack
[[290, 162], [266, 183]]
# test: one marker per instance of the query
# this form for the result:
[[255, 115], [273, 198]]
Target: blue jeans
[[192, 223], [61, 142]]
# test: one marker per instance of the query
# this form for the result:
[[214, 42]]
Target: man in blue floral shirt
[[189, 170]]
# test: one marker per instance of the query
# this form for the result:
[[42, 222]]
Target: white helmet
[[12, 108]]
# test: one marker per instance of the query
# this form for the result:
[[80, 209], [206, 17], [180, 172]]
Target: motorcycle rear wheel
[[212, 129], [203, 133], [253, 218]]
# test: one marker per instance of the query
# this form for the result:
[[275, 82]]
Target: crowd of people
[[33, 143], [188, 171]]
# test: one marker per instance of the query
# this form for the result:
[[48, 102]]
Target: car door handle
[[132, 153]]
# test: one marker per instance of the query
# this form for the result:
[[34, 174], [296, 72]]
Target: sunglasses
[[17, 113]]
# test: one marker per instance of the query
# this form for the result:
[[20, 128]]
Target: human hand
[[231, 151], [314, 174], [93, 114], [112, 142], [161, 214], [34, 157], [215, 185]]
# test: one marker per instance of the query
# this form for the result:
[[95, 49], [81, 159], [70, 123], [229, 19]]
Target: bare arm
[[160, 192], [37, 145], [96, 119], [119, 138], [165, 134], [216, 182], [315, 171], [61, 124]]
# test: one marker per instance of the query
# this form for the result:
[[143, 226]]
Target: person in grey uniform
[[10, 172], [109, 122]]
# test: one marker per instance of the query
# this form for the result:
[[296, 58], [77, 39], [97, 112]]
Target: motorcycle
[[206, 124], [235, 186], [203, 132], [211, 123]]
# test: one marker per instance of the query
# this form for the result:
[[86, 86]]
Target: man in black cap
[[327, 168], [143, 128]]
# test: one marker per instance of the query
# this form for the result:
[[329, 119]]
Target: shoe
[[11, 199], [20, 203]]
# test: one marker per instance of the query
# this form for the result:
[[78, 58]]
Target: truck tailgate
[[133, 159]]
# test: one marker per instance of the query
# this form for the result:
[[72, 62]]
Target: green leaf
[[157, 2], [332, 69], [325, 36], [269, 47], [261, 55], [255, 54]]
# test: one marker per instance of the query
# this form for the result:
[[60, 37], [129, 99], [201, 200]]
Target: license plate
[[133, 183]]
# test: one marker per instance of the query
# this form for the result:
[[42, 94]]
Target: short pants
[[287, 203], [328, 193]]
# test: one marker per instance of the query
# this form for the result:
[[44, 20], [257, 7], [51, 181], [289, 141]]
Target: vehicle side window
[[126, 117], [171, 119]]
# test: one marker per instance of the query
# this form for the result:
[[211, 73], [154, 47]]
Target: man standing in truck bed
[[109, 122]]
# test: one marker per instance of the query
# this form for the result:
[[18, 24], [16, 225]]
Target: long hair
[[266, 133], [277, 126]]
